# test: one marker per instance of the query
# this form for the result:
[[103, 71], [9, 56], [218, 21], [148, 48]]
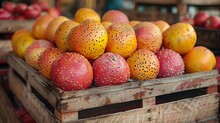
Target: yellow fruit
[[106, 24], [85, 14], [121, 39], [134, 22], [62, 33], [162, 25], [180, 37], [52, 27], [22, 44]]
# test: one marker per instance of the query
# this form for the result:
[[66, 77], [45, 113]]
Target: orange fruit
[[199, 59], [62, 33], [134, 22], [52, 27], [40, 26], [143, 64], [89, 39], [180, 37], [85, 14], [162, 25], [121, 39], [106, 24]]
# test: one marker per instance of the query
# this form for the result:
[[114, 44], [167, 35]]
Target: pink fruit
[[218, 63], [46, 60], [34, 51], [53, 12], [148, 36], [200, 18], [9, 6], [72, 71], [43, 5], [110, 69], [213, 22], [32, 12], [114, 16], [20, 8], [171, 63], [4, 15], [187, 20]]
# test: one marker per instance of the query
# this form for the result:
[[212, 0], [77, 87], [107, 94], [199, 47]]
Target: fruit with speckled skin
[[162, 25], [110, 69], [121, 39], [143, 64], [52, 27], [72, 71], [46, 60], [171, 63], [34, 51], [199, 59], [180, 37], [134, 23], [84, 14], [89, 39], [22, 44], [40, 26], [17, 35], [148, 36], [106, 24], [115, 16], [62, 33]]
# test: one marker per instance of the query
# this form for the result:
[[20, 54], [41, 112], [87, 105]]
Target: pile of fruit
[[22, 11], [110, 50], [203, 19]]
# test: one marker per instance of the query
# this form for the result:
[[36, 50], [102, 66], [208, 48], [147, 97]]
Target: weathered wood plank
[[66, 117], [33, 105], [186, 110], [10, 26], [7, 112], [33, 77], [5, 47]]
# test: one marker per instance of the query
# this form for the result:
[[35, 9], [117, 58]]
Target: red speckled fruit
[[143, 64], [33, 52], [171, 63], [110, 69], [121, 39], [199, 59], [115, 16], [72, 71], [89, 39], [46, 60], [148, 36]]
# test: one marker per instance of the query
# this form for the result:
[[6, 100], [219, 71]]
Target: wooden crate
[[208, 37], [186, 98], [9, 27], [8, 114]]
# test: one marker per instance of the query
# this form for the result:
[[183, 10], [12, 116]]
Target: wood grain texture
[[186, 110], [99, 96], [33, 105], [5, 47], [10, 26], [7, 112]]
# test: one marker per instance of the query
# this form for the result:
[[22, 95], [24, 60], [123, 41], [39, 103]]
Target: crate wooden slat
[[10, 26], [107, 95], [185, 110], [5, 47], [66, 106], [7, 112]]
